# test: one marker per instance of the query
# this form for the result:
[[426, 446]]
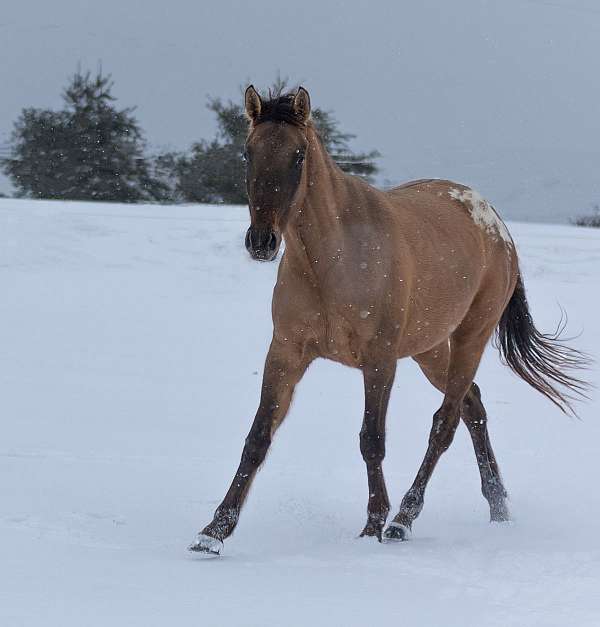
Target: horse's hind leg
[[475, 417], [434, 365], [466, 348]]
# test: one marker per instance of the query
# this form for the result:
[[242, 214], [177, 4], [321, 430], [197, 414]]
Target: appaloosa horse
[[426, 270]]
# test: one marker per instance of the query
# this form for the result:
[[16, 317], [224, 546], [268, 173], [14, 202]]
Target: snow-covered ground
[[131, 344]]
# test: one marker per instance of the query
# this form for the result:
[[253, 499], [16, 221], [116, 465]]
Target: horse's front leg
[[378, 379], [284, 367]]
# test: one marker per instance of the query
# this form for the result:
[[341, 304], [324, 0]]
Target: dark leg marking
[[378, 384], [475, 418], [283, 369], [445, 421]]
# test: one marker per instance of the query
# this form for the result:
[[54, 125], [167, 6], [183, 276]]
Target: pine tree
[[90, 150], [337, 144]]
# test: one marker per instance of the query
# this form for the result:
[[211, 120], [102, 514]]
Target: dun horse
[[426, 270]]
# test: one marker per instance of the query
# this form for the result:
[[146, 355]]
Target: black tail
[[541, 359]]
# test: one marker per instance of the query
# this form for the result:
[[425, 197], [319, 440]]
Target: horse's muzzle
[[262, 243]]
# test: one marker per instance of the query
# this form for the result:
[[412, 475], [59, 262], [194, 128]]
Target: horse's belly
[[431, 316]]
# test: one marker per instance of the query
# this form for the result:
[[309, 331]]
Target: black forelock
[[279, 108]]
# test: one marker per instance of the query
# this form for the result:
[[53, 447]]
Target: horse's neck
[[316, 219]]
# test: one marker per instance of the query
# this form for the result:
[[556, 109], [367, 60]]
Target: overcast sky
[[504, 95]]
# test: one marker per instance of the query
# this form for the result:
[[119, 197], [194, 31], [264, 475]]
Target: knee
[[372, 447], [256, 447]]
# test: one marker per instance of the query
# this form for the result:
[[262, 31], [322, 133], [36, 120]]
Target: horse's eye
[[245, 156], [300, 158]]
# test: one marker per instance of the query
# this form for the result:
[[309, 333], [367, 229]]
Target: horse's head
[[275, 152]]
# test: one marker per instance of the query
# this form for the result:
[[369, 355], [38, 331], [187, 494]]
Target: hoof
[[396, 532], [205, 544], [370, 531]]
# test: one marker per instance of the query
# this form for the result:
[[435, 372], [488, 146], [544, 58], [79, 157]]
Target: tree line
[[91, 149]]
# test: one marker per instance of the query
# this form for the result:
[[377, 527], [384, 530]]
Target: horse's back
[[447, 209]]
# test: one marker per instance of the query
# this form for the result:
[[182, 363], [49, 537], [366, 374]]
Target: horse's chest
[[337, 309], [339, 340], [321, 325]]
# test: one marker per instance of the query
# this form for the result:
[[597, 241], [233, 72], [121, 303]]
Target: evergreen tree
[[214, 172], [337, 144], [90, 150]]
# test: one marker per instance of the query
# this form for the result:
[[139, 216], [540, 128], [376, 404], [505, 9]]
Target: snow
[[132, 342]]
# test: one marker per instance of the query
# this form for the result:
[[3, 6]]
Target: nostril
[[248, 240], [273, 242]]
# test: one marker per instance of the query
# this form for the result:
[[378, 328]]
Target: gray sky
[[500, 94]]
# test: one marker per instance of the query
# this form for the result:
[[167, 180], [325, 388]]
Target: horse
[[426, 270]]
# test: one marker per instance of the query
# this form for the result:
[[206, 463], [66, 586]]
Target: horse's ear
[[302, 105], [252, 103]]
